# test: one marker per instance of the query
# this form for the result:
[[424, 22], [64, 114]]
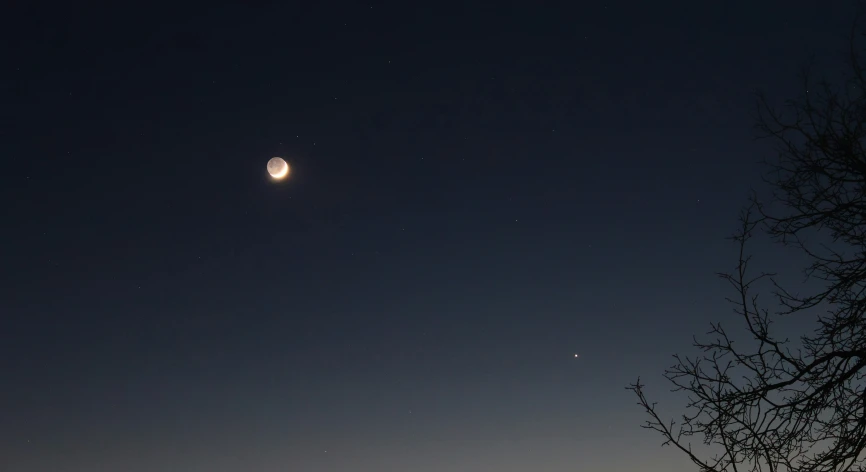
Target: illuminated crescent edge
[[283, 173]]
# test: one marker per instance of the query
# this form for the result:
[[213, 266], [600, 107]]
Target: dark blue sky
[[478, 192]]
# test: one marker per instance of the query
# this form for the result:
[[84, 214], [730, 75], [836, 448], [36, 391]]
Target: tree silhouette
[[772, 403]]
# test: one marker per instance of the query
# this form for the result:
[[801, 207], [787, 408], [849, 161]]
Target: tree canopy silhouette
[[773, 403]]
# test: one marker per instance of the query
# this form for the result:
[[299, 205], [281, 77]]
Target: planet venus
[[278, 168]]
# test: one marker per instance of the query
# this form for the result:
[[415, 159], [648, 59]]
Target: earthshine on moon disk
[[278, 168]]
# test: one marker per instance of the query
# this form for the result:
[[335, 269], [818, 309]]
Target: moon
[[278, 168]]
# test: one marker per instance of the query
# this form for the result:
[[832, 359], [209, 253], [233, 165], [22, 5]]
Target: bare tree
[[771, 403]]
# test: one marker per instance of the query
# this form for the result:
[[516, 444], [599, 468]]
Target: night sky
[[479, 191]]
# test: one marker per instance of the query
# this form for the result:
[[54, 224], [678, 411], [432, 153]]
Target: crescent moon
[[278, 168]]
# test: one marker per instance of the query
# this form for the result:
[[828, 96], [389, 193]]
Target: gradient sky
[[480, 190]]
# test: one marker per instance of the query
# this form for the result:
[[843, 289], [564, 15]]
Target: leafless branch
[[776, 404]]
